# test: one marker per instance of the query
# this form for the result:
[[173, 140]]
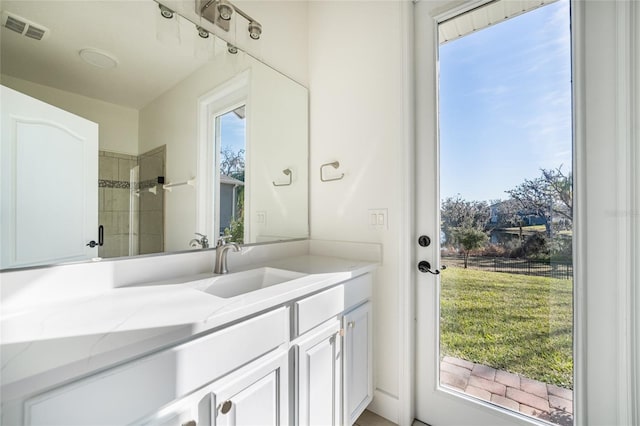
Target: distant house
[[527, 218], [229, 189], [494, 212]]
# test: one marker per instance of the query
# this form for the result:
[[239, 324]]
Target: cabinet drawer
[[358, 290], [313, 310], [126, 393]]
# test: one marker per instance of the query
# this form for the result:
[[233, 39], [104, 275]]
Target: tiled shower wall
[[115, 203], [132, 216], [152, 165]]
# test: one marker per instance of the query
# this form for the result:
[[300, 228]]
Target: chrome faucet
[[202, 242], [221, 254]]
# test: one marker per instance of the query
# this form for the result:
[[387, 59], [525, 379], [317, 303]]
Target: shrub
[[493, 250], [469, 239], [536, 246], [561, 248]]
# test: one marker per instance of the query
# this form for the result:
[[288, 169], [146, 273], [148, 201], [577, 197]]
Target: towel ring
[[335, 165], [289, 173]]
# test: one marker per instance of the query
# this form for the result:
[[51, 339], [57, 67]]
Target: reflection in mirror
[[231, 129], [110, 125]]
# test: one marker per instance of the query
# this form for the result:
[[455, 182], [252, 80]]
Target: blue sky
[[232, 132], [505, 104]]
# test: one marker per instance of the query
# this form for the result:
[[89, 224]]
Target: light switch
[[378, 219], [261, 217]]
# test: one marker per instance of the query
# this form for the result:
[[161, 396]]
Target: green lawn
[[517, 323]]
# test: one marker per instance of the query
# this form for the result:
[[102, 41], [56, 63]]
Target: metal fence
[[561, 270]]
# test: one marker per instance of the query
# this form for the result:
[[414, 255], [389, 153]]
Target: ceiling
[[485, 16], [129, 30]]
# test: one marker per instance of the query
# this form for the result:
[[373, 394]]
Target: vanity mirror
[[125, 132]]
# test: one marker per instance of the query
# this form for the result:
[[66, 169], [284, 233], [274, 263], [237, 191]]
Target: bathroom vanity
[[285, 342]]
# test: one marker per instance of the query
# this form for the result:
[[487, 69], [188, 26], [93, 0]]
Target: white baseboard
[[385, 405]]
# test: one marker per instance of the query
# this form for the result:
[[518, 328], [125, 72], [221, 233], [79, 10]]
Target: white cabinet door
[[193, 410], [319, 373], [254, 395], [48, 212], [358, 369]]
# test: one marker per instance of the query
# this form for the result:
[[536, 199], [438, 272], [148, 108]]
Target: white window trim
[[219, 101]]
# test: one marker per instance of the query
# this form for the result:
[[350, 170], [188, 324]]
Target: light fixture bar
[[218, 12], [208, 9]]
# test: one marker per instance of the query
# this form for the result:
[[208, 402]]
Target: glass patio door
[[495, 328]]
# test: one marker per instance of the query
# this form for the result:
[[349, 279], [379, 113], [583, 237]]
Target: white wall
[[277, 137], [118, 125], [356, 78]]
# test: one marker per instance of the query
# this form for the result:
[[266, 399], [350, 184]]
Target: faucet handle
[[204, 241], [222, 240]]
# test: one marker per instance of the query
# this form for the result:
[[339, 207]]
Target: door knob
[[100, 242], [226, 407], [424, 241], [425, 267]]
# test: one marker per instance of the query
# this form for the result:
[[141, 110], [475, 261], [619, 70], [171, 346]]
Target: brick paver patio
[[518, 393]]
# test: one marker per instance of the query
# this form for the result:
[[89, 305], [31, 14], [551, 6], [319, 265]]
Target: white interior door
[[49, 193]]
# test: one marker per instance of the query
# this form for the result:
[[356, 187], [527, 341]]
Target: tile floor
[[371, 419], [530, 397]]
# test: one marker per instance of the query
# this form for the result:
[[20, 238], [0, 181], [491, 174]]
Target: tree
[[509, 215], [459, 213], [548, 196], [469, 239], [562, 188], [236, 227], [232, 163]]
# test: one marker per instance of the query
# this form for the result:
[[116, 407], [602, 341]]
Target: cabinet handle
[[189, 423], [226, 407], [351, 324]]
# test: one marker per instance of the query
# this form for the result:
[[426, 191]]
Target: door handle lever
[[425, 267]]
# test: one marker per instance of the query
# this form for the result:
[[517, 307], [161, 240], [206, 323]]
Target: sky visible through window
[[505, 104], [232, 131]]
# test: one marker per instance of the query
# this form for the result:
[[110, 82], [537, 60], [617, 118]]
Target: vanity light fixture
[[202, 32], [165, 11], [232, 49], [219, 13], [255, 29], [225, 9]]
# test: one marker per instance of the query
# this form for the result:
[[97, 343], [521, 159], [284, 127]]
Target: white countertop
[[56, 342]]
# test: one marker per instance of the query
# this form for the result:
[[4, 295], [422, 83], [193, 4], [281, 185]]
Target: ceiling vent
[[23, 26]]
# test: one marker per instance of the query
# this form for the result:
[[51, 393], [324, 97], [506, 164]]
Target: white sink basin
[[235, 284]]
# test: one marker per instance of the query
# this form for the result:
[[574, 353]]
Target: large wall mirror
[[127, 133]]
